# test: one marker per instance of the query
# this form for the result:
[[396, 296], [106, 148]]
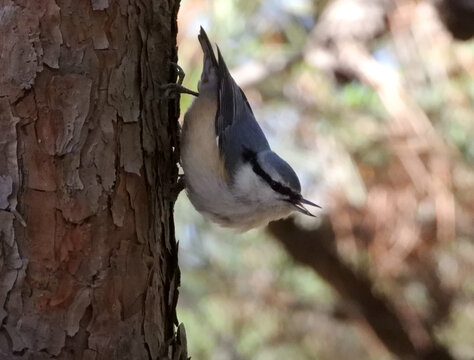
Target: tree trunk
[[88, 259]]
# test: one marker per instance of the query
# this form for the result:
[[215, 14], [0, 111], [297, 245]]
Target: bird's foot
[[179, 71], [171, 90]]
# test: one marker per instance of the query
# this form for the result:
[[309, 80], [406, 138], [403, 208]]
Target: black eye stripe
[[251, 157]]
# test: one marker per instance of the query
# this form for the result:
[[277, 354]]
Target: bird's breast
[[198, 140]]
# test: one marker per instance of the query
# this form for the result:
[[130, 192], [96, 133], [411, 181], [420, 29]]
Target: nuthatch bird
[[231, 175]]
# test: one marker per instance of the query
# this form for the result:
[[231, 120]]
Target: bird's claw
[[179, 71], [172, 89]]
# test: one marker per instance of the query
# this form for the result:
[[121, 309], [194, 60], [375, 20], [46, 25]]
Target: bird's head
[[278, 181]]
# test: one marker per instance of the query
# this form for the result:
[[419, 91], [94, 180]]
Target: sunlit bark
[[88, 259]]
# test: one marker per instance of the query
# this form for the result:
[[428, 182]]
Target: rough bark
[[88, 259]]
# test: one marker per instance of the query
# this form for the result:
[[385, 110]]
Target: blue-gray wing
[[236, 127]]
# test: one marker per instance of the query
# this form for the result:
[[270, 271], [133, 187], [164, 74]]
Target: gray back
[[236, 126]]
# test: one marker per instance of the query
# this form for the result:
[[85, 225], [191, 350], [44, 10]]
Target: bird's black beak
[[298, 205]]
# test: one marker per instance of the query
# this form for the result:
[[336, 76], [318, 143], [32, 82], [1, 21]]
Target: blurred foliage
[[242, 297]]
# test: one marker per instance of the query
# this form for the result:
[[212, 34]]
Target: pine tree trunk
[[88, 259]]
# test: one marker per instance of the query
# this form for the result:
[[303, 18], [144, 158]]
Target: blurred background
[[371, 102]]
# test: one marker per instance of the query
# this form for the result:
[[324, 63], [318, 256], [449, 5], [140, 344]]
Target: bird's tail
[[210, 61]]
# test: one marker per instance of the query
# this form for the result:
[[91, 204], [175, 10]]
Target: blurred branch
[[420, 149], [312, 248], [457, 16]]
